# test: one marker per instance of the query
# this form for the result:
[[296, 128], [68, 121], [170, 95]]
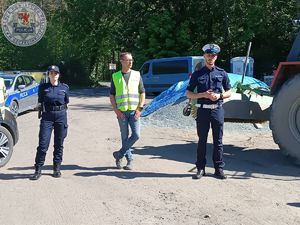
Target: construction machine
[[285, 109]]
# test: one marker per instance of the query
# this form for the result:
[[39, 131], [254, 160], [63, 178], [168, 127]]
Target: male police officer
[[213, 86], [127, 96], [54, 97]]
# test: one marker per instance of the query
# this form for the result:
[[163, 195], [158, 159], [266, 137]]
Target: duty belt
[[55, 108], [208, 106]]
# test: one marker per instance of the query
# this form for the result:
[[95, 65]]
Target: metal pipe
[[246, 61]]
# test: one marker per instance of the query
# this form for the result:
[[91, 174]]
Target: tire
[[285, 117], [6, 146], [14, 108]]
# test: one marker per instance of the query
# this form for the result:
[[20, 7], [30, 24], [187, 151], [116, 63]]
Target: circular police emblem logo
[[24, 24]]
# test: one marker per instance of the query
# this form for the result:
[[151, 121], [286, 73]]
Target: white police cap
[[211, 48]]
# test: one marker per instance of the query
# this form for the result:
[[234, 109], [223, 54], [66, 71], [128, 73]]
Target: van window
[[170, 67], [198, 64], [145, 69]]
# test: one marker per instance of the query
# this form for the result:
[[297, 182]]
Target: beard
[[210, 62]]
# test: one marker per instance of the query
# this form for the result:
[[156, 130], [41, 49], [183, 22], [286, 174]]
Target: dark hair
[[122, 54]]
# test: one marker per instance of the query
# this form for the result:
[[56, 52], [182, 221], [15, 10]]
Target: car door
[[32, 90], [146, 76], [22, 92]]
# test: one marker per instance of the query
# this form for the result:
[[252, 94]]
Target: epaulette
[[220, 69], [63, 84]]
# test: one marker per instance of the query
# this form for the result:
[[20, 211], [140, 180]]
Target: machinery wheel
[[6, 146], [14, 108], [285, 117]]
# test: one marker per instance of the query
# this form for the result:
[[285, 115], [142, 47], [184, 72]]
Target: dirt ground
[[263, 186]]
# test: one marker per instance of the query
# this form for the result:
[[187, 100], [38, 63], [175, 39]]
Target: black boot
[[56, 171], [118, 160], [129, 165], [219, 173], [199, 174], [37, 173]]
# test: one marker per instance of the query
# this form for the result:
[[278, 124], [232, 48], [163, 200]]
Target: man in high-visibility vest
[[127, 96]]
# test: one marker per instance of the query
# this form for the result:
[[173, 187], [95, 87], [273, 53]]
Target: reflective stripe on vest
[[127, 96]]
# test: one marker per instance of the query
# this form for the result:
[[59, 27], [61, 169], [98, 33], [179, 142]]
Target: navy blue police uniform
[[209, 113], [54, 100]]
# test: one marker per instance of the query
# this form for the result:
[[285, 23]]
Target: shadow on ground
[[245, 163], [294, 204], [89, 172]]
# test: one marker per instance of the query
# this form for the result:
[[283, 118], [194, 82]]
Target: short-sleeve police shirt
[[52, 95], [215, 79]]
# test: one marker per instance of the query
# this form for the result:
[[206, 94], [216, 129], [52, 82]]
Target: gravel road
[[263, 186]]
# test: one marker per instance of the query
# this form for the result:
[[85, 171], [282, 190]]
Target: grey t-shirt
[[126, 78]]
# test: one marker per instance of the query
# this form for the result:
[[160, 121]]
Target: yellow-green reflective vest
[[127, 96]]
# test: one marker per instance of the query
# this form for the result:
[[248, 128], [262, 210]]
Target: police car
[[21, 92], [9, 135]]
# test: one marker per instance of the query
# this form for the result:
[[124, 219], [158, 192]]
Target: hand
[[206, 94], [119, 114], [210, 95], [214, 97], [137, 114]]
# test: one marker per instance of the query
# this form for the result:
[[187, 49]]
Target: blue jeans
[[127, 141]]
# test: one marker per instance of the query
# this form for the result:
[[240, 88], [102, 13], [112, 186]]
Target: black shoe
[[56, 171], [199, 174], [118, 160], [219, 173], [129, 165], [37, 174]]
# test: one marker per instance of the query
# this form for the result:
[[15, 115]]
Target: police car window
[[28, 81], [144, 69], [8, 83], [19, 81], [170, 67]]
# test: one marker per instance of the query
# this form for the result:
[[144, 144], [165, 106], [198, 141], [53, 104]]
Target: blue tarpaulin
[[178, 91]]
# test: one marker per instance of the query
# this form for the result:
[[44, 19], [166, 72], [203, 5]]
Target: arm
[[227, 87], [193, 95], [118, 112], [227, 94], [142, 98], [138, 111], [40, 102], [67, 95], [142, 92]]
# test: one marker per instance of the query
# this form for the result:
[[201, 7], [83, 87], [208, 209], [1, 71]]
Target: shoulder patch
[[220, 69], [65, 85]]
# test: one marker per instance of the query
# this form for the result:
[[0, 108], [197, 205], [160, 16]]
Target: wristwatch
[[221, 96], [140, 108]]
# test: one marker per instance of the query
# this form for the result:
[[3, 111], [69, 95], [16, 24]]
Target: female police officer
[[53, 98], [212, 87]]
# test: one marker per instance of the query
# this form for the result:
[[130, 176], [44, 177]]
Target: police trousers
[[205, 119], [57, 121]]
